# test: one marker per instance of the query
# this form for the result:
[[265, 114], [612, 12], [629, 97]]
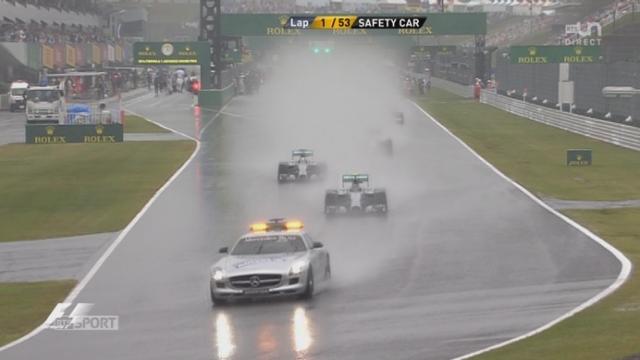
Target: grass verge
[[63, 190], [24, 306], [611, 328], [137, 124], [533, 155]]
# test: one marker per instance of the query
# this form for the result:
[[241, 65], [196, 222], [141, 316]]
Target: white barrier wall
[[614, 133]]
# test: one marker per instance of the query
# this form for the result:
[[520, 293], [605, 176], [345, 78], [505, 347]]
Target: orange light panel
[[259, 227], [293, 225]]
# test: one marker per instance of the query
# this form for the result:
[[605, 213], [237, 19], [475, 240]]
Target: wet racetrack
[[463, 261]]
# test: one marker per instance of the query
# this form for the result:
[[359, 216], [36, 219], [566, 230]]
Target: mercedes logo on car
[[254, 281]]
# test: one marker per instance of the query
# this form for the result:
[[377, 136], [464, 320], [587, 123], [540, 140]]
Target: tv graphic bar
[[336, 22]]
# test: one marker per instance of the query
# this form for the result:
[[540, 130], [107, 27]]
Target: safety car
[[276, 258]]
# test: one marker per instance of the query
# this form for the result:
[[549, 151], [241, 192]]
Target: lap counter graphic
[[337, 22]]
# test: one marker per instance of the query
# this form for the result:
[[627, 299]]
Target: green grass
[[63, 190], [137, 124], [24, 306], [534, 154], [611, 328]]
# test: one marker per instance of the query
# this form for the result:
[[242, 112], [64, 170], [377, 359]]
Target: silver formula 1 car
[[300, 167], [275, 258], [399, 117], [355, 196]]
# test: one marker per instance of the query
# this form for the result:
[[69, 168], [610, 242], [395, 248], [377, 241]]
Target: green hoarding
[[65, 134], [175, 53], [579, 157], [272, 25], [555, 54], [434, 49], [171, 53]]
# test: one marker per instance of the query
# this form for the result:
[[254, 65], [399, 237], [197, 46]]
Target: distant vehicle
[[399, 117], [355, 196], [45, 105], [386, 146], [17, 91], [300, 167], [276, 258]]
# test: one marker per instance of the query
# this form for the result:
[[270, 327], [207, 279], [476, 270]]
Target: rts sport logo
[[66, 317]]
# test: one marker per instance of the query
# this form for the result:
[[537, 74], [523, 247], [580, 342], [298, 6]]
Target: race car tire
[[383, 201], [283, 173], [308, 289], [329, 201], [327, 269]]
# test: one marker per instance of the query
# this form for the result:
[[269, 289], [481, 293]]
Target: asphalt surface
[[11, 127], [463, 261], [51, 259]]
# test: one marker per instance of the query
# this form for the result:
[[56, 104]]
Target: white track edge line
[[96, 266], [625, 269]]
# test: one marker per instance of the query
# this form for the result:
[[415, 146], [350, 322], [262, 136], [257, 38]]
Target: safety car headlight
[[217, 274], [297, 267]]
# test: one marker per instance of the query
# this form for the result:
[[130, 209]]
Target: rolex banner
[[551, 54], [65, 134], [579, 157]]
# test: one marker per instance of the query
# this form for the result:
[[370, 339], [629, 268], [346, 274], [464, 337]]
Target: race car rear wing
[[359, 178], [302, 152]]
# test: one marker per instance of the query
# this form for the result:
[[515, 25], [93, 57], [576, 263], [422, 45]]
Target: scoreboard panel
[[344, 22]]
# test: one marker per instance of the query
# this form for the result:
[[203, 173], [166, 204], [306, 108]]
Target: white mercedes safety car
[[276, 257]]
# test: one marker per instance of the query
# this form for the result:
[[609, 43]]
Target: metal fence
[[614, 133], [91, 114]]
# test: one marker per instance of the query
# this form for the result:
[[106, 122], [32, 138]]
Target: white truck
[[45, 105], [16, 95]]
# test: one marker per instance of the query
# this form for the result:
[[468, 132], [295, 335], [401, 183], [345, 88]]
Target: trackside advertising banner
[[65, 134]]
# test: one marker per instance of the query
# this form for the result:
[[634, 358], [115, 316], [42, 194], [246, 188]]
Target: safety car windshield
[[269, 244]]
